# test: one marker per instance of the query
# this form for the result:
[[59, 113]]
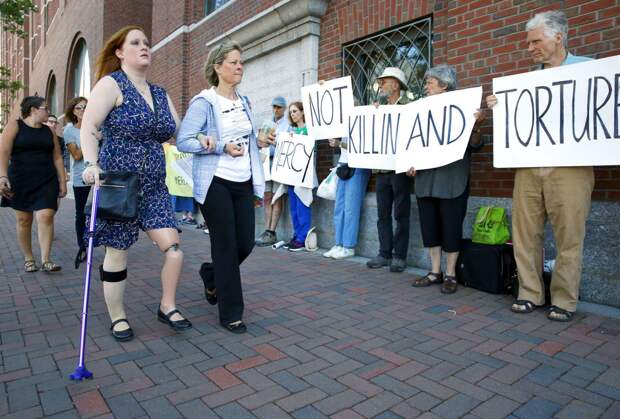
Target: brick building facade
[[290, 43]]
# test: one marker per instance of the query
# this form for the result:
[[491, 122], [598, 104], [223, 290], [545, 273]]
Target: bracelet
[[5, 177]]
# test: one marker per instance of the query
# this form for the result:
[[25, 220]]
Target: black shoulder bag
[[345, 172]]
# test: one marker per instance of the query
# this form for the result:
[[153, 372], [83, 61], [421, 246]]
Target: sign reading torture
[[326, 107], [564, 116], [293, 161]]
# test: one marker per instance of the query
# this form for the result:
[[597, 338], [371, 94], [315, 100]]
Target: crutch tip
[[80, 374]]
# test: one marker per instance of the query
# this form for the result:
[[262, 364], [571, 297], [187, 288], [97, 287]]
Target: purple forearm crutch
[[81, 372]]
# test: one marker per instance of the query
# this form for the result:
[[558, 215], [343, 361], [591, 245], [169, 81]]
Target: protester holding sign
[[300, 198], [219, 130], [442, 195], [561, 194], [273, 208], [393, 190], [350, 193]]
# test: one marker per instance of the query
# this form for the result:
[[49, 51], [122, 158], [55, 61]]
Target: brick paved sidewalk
[[326, 339]]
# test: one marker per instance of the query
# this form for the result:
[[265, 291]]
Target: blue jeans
[[349, 200], [300, 214]]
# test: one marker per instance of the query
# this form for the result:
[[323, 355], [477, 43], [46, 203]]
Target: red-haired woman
[[134, 117]]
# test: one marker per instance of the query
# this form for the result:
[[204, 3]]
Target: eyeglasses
[[52, 122], [79, 108]]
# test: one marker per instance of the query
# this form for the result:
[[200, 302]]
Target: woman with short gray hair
[[219, 130], [442, 195]]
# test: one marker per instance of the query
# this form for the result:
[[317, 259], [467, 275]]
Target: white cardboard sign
[[293, 161], [327, 106], [439, 128], [264, 156], [374, 133], [563, 116]]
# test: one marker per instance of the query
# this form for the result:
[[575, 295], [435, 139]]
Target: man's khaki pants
[[563, 195]]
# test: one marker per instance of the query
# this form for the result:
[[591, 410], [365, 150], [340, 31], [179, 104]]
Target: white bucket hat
[[396, 73]]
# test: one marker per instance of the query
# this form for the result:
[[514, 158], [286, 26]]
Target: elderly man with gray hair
[[392, 189], [442, 195], [560, 194]]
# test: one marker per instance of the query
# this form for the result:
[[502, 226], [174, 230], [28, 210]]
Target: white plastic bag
[[327, 188]]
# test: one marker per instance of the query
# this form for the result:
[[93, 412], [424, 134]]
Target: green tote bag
[[491, 226]]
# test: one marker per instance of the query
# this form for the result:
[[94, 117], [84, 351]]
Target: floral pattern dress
[[133, 134]]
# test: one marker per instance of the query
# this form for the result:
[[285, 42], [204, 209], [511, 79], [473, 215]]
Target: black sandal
[[559, 314], [237, 327], [431, 278], [522, 306], [449, 285], [182, 324], [122, 335]]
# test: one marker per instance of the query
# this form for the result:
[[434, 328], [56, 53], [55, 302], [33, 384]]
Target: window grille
[[212, 5], [408, 47]]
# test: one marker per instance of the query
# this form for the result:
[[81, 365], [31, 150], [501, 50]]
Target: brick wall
[[482, 39], [119, 13]]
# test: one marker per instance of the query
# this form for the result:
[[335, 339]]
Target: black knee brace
[[175, 247], [106, 276]]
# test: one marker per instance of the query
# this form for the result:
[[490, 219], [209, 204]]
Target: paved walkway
[[326, 339]]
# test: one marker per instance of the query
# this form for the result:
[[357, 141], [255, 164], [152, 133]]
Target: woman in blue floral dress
[[135, 117]]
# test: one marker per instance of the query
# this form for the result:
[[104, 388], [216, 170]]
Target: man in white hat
[[392, 190]]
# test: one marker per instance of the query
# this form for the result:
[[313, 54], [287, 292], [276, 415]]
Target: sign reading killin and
[[293, 161], [564, 116], [439, 128], [326, 107]]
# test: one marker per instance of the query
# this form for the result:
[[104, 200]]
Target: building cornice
[[278, 25]]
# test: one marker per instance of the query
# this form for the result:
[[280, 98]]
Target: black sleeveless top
[[32, 173]]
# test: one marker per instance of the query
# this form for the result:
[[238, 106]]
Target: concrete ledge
[[601, 265]]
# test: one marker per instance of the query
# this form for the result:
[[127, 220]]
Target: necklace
[[141, 89]]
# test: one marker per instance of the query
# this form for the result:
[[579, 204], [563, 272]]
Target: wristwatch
[[87, 164]]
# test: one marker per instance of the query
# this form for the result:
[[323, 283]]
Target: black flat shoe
[[80, 257], [235, 327], [123, 335], [211, 296], [182, 324], [206, 274]]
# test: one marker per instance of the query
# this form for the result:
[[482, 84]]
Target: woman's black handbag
[[118, 196], [345, 172]]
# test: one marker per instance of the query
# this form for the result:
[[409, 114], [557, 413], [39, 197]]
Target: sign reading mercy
[[326, 107], [293, 161], [438, 129], [178, 171], [564, 116]]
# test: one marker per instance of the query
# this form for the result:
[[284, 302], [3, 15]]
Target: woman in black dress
[[32, 179]]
